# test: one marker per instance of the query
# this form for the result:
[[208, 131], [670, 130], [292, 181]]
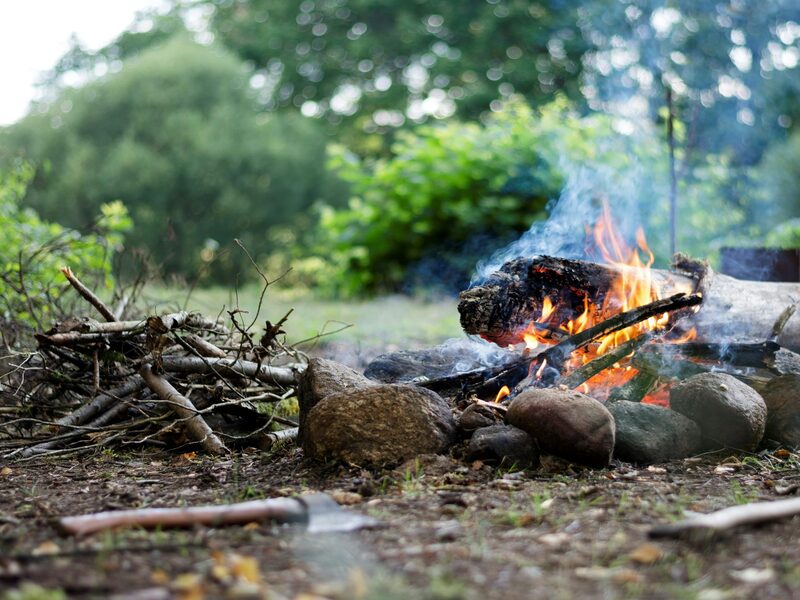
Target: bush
[[453, 194], [32, 252]]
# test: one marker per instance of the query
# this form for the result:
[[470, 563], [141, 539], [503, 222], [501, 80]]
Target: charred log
[[733, 310]]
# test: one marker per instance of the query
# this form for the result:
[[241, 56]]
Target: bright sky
[[35, 33]]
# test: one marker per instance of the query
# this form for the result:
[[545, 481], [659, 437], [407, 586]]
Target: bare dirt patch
[[450, 530]]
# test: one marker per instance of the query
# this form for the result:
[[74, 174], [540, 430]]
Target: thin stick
[[673, 177], [781, 322], [728, 518], [228, 366], [88, 295], [196, 426]]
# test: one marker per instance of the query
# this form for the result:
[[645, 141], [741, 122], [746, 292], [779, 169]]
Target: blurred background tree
[[176, 136], [210, 120]]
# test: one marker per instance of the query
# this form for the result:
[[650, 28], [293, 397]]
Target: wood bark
[[733, 310], [195, 424]]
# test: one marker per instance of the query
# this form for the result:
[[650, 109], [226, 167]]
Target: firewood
[[601, 363], [489, 381], [195, 425], [229, 366], [732, 310], [635, 389]]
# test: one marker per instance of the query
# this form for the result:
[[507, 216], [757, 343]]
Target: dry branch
[[196, 426], [228, 367], [90, 297], [728, 518]]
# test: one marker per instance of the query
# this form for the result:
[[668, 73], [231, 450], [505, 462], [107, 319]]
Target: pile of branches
[[178, 380]]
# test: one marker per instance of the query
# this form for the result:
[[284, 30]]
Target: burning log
[[502, 307]]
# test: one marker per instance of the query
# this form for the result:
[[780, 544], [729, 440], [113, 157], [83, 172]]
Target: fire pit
[[611, 357]]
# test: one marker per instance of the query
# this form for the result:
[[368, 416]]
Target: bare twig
[[227, 366], [90, 297]]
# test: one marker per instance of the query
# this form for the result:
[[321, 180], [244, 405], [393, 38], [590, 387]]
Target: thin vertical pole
[[673, 177]]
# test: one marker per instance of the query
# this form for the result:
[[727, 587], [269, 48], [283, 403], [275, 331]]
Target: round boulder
[[651, 434], [730, 413], [782, 396], [322, 378], [383, 424], [567, 424]]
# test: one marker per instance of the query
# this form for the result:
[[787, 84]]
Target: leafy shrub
[[452, 194], [32, 252]]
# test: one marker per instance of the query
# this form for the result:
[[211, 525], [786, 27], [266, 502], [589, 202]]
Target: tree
[[177, 136]]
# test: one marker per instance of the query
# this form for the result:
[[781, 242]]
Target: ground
[[448, 530]]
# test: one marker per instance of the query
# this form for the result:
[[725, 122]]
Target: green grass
[[390, 320]]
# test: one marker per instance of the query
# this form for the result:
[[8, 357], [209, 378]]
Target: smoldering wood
[[484, 382], [732, 310], [634, 390], [601, 363]]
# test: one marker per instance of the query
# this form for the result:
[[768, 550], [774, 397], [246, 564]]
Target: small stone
[[383, 424], [782, 396], [322, 378], [503, 444], [345, 498], [646, 433], [567, 424], [474, 417], [734, 417]]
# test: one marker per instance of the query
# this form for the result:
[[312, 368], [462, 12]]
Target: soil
[[448, 530]]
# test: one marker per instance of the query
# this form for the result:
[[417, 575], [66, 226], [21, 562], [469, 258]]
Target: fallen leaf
[[346, 498], [188, 586], [782, 453], [159, 577], [6, 471], [646, 554], [187, 456], [554, 539], [653, 469], [47, 548], [245, 568]]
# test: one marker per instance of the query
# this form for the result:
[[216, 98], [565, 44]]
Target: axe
[[318, 512]]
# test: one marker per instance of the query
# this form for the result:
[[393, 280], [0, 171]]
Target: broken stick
[[195, 424], [728, 518], [88, 294]]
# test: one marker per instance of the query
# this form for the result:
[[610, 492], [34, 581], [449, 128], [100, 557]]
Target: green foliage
[[32, 252], [452, 194], [177, 136]]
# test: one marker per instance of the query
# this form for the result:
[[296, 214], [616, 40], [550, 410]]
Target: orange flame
[[503, 393], [632, 288]]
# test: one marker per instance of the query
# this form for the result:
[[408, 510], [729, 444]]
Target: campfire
[[579, 359]]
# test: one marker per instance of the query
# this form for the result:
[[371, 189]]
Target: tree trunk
[[501, 307]]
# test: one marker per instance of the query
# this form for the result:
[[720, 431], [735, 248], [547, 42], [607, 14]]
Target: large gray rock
[[651, 434], [322, 378], [383, 424], [782, 396], [730, 413], [503, 444], [567, 424]]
